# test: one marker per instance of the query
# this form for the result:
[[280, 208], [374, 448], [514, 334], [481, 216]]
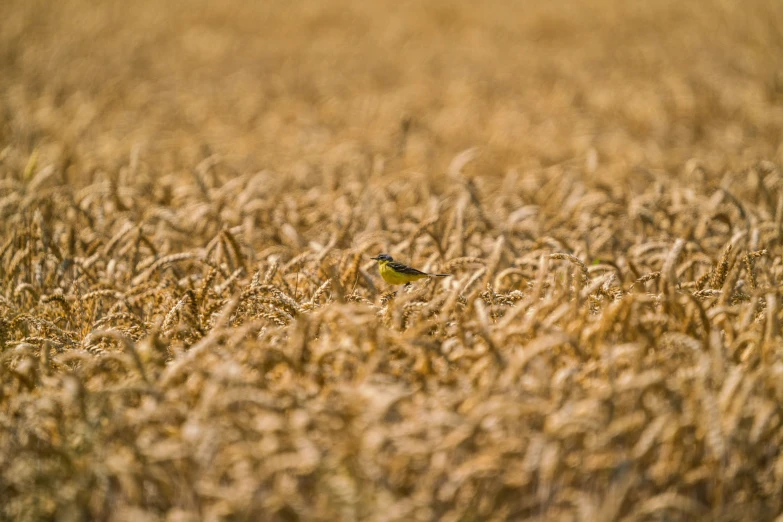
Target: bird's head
[[383, 257]]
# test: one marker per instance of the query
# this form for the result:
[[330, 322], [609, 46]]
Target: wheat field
[[191, 327]]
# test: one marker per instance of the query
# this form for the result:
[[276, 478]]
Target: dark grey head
[[383, 257]]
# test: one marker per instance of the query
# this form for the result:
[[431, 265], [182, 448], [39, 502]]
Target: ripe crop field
[[191, 327]]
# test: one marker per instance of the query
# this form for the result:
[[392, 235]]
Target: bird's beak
[[375, 258]]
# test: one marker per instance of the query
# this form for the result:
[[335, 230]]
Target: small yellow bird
[[396, 273]]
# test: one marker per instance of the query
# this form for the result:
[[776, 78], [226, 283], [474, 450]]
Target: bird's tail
[[439, 275]]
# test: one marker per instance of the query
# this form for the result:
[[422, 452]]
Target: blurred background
[[618, 84]]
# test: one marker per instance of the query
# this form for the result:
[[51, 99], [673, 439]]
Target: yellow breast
[[396, 278]]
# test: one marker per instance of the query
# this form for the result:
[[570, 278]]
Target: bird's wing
[[403, 269]]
